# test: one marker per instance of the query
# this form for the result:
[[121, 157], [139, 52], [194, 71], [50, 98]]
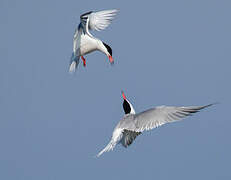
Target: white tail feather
[[73, 65], [116, 137], [109, 147]]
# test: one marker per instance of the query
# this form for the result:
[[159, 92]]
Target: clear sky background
[[166, 52]]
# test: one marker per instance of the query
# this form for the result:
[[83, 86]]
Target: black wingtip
[[210, 105], [196, 109]]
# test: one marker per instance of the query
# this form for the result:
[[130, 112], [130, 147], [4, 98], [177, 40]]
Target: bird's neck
[[102, 48]]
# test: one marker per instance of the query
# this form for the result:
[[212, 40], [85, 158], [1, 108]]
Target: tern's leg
[[84, 61]]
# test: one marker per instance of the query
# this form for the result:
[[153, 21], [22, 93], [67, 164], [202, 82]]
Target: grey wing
[[96, 20], [101, 19], [158, 116], [129, 137]]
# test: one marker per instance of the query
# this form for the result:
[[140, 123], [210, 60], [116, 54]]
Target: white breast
[[87, 44]]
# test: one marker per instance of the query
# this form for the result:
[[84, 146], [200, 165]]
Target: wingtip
[[211, 104], [99, 154], [198, 108], [95, 156], [116, 10], [215, 103]]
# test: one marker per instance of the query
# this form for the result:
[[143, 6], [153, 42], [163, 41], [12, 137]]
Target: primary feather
[[84, 42], [160, 115], [101, 19], [133, 125]]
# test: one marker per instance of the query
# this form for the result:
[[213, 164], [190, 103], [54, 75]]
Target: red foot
[[84, 61]]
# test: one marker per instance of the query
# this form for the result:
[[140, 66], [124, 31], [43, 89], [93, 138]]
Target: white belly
[[87, 44]]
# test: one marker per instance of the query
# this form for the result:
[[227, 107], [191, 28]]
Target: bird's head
[[128, 108], [108, 52]]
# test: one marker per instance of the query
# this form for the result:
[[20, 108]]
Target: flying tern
[[134, 124], [84, 42]]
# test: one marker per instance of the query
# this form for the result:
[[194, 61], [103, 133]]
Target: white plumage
[[100, 20], [133, 124], [84, 42]]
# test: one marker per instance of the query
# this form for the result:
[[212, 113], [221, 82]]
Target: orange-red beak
[[124, 97], [111, 59]]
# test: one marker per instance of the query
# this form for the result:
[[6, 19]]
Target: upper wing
[[96, 20], [158, 116], [101, 19]]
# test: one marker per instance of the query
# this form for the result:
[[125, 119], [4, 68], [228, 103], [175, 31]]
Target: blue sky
[[52, 124]]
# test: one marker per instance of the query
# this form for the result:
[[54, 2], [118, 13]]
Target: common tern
[[134, 124], [84, 42]]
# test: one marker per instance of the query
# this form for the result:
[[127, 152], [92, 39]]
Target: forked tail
[[73, 63], [116, 137], [109, 147]]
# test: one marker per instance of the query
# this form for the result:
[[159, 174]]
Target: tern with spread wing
[[84, 42], [134, 124]]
